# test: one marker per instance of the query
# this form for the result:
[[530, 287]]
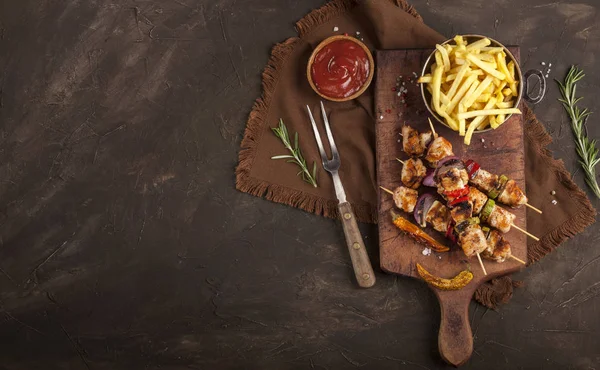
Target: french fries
[[472, 86]]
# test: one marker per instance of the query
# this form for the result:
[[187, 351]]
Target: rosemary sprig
[[296, 157], [586, 148]]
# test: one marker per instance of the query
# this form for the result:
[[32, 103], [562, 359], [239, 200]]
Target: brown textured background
[[125, 246]]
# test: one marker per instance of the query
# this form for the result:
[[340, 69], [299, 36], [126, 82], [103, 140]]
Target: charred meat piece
[[478, 199], [405, 198], [498, 248], [413, 173], [438, 216], [472, 240], [512, 195], [462, 211], [439, 149], [411, 142], [425, 138], [484, 180], [501, 219], [453, 179]]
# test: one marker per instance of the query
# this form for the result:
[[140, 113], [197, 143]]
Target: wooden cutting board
[[499, 151]]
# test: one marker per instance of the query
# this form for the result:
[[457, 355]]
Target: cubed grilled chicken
[[478, 199], [462, 211], [411, 142], [484, 180], [501, 219], [472, 240], [425, 138], [498, 248], [405, 198], [453, 179], [512, 195], [413, 173], [438, 216], [439, 149]]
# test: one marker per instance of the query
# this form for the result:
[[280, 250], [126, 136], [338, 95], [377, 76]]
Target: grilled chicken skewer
[[470, 237], [506, 190], [452, 176], [495, 216], [497, 187], [439, 217]]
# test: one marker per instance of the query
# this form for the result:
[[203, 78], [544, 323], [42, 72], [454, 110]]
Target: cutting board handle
[[455, 340]]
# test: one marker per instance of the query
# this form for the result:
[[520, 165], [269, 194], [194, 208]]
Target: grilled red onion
[[429, 180], [423, 205]]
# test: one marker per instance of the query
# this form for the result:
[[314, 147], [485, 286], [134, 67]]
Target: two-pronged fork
[[356, 246]]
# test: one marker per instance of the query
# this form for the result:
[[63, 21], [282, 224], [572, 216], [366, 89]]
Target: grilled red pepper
[[450, 232], [457, 193], [464, 198], [472, 168]]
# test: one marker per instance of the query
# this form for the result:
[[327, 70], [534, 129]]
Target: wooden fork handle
[[358, 253]]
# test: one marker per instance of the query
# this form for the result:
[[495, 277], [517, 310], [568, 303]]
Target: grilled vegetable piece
[[405, 198], [416, 233], [498, 248], [487, 210], [458, 282], [413, 173], [512, 195], [439, 149], [424, 203]]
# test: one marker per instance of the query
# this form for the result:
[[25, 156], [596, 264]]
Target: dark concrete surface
[[124, 244]]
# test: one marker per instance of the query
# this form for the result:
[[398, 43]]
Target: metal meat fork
[[356, 246]]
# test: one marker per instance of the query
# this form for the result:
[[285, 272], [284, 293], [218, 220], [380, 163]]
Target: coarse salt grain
[[426, 251], [335, 29], [554, 202], [543, 63], [357, 33], [553, 192], [550, 65], [381, 117], [482, 140]]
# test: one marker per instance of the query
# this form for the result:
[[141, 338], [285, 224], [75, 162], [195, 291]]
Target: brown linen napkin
[[384, 24]]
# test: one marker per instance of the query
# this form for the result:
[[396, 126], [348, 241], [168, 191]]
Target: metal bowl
[[470, 39]]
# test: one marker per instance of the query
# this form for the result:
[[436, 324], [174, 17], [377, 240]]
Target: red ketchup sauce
[[340, 69]]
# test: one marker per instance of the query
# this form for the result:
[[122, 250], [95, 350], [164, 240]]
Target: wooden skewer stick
[[387, 190], [481, 263], [526, 233], [400, 160], [532, 207], [432, 129], [518, 259]]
